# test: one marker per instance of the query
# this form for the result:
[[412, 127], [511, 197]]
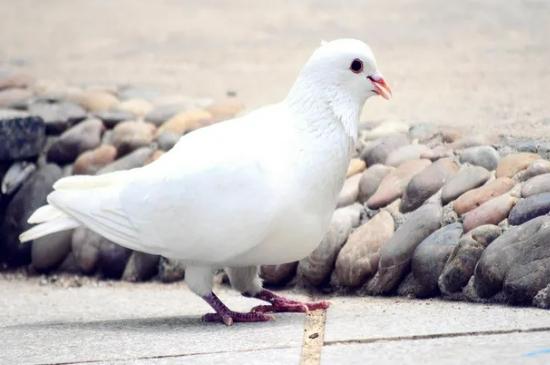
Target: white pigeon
[[254, 190]]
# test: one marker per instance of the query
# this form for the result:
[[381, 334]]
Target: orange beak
[[380, 86]]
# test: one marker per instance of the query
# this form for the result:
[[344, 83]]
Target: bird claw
[[231, 317], [281, 304]]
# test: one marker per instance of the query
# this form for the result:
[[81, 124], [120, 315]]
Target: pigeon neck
[[320, 104]]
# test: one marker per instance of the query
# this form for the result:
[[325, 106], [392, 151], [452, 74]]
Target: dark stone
[[529, 208], [57, 116], [430, 257], [49, 251], [171, 270], [28, 198], [517, 261], [85, 248], [22, 137], [531, 273], [112, 259], [408, 286], [461, 263], [542, 299], [427, 182], [379, 150], [82, 137], [278, 275], [69, 265], [140, 267], [396, 254], [112, 117]]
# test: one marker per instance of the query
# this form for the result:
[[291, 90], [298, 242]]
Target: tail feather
[[67, 210], [46, 213], [46, 228]]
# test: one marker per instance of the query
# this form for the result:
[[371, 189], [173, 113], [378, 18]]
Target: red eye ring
[[356, 66]]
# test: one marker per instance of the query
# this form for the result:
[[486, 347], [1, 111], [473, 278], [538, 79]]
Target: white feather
[[44, 229], [45, 213]]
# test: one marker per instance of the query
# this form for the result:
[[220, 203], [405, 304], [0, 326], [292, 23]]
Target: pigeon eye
[[356, 65]]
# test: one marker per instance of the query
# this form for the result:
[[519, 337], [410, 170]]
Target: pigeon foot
[[282, 304], [227, 316]]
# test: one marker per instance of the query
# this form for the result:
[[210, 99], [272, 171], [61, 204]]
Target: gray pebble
[[484, 156]]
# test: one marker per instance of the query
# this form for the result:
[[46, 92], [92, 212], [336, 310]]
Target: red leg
[[227, 316], [282, 304]]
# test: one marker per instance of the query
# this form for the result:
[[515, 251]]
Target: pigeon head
[[344, 69]]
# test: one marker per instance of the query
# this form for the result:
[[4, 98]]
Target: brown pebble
[[225, 109], [89, 162], [131, 135], [96, 100], [474, 198], [491, 212], [356, 165], [510, 165], [350, 191], [394, 183], [370, 180], [187, 121], [358, 259]]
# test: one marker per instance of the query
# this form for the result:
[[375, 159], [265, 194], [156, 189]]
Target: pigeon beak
[[380, 86]]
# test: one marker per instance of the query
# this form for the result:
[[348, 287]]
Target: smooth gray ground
[[481, 64], [104, 322]]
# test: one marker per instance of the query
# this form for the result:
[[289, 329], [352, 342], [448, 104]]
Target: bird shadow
[[150, 324]]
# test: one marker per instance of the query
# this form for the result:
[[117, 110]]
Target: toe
[[227, 320], [212, 317], [263, 309]]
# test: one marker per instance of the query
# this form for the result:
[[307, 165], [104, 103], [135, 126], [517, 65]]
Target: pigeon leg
[[227, 316], [282, 304]]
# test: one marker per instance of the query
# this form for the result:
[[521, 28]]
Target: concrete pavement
[[151, 323]]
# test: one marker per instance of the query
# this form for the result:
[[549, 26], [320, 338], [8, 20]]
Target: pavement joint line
[[155, 357], [314, 334], [435, 336]]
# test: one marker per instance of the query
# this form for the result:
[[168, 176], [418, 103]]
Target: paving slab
[[45, 324], [520, 348], [286, 356], [369, 318]]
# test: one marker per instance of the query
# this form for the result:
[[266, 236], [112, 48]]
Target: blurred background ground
[[472, 64]]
